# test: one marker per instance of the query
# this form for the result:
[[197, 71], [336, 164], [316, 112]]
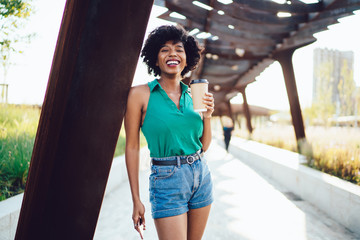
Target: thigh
[[197, 219], [172, 228]]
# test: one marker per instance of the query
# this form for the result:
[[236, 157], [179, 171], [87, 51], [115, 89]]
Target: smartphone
[[141, 228]]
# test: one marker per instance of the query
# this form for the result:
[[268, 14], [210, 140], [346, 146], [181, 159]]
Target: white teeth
[[172, 62]]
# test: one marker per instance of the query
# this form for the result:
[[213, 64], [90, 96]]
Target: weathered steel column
[[92, 71], [246, 111], [285, 59]]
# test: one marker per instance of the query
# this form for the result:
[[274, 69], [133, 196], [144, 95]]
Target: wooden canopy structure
[[243, 37]]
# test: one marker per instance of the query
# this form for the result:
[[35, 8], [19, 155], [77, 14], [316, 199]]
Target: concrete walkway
[[247, 206]]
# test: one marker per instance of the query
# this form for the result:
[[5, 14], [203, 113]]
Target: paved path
[[247, 206]]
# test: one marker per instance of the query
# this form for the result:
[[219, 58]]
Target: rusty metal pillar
[[246, 111], [285, 59], [95, 59]]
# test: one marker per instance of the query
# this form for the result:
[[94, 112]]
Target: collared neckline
[[155, 83]]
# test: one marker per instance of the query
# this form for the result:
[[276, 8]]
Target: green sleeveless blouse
[[170, 131]]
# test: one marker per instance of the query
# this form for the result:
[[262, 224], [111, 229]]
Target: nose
[[172, 52]]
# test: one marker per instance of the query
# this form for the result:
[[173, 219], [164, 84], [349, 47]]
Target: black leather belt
[[168, 161]]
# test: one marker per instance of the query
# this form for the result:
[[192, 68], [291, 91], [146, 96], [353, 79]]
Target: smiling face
[[171, 58]]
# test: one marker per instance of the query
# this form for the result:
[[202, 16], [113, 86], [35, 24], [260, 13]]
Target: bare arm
[[132, 148], [206, 138]]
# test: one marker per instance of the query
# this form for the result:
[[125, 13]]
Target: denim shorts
[[176, 189]]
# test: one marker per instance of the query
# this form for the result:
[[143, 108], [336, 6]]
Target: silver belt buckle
[[190, 159]]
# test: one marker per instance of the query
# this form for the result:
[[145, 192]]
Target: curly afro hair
[[158, 37]]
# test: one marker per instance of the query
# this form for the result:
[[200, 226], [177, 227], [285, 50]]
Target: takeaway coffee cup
[[198, 89]]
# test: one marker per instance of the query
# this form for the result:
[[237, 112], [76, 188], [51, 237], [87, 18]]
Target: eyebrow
[[176, 45]]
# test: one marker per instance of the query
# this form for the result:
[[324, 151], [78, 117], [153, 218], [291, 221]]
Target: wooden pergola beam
[[285, 59], [274, 7], [246, 111], [92, 71]]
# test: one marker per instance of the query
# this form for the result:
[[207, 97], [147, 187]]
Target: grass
[[334, 150], [18, 126]]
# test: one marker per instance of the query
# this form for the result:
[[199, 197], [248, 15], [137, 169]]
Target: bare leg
[[172, 228], [197, 219]]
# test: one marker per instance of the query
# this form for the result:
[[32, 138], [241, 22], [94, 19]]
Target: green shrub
[[15, 155], [340, 162], [18, 126]]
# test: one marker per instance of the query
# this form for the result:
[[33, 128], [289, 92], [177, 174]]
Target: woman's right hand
[[139, 218]]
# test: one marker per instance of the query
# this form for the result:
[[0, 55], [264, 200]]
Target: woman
[[180, 182]]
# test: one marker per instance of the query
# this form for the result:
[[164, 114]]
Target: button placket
[[182, 102], [168, 99], [171, 102]]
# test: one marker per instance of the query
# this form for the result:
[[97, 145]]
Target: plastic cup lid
[[199, 81]]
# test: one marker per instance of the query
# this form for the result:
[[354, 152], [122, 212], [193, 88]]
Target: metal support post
[[95, 59], [285, 59], [246, 111]]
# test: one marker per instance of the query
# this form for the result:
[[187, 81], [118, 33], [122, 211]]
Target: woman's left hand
[[209, 104]]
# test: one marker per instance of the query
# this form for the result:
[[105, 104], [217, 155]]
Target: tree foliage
[[336, 94], [16, 8], [346, 89], [13, 16], [357, 105], [323, 107]]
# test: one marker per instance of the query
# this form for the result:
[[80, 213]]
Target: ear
[[157, 63]]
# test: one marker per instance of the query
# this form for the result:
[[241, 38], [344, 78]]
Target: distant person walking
[[228, 127]]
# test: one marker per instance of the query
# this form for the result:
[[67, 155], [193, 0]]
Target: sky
[[28, 77]]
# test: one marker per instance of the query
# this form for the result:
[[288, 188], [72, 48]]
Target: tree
[[357, 105], [323, 105], [13, 16], [346, 89]]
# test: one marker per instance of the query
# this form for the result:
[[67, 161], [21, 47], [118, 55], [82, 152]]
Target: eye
[[164, 50]]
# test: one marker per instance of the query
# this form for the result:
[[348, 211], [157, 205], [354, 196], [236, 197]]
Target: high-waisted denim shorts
[[176, 189]]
